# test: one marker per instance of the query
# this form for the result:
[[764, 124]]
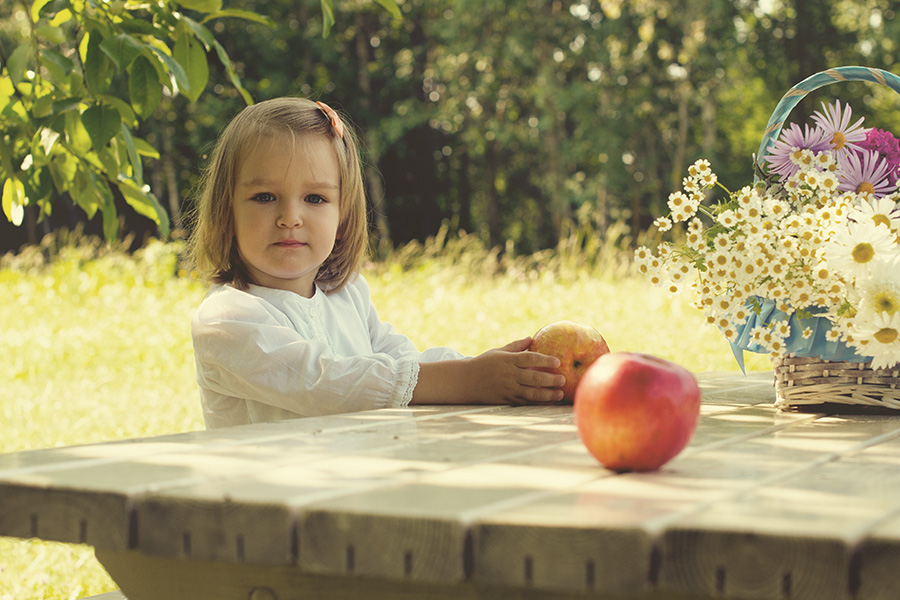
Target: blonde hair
[[213, 249]]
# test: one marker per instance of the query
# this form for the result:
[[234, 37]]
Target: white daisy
[[855, 245], [880, 339], [883, 211], [880, 291]]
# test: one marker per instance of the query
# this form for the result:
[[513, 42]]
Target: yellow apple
[[576, 346]]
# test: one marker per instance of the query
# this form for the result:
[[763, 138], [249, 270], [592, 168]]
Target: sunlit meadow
[[96, 345]]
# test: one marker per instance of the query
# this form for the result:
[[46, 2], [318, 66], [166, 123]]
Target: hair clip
[[333, 117]]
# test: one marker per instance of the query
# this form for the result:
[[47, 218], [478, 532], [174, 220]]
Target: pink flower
[[888, 149], [844, 137], [783, 154]]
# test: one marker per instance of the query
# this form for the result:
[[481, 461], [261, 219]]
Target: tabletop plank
[[85, 494], [794, 536], [379, 522], [273, 494]]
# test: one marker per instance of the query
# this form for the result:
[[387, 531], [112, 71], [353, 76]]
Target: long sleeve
[[269, 354]]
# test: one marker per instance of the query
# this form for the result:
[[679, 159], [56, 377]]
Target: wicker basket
[[812, 382]]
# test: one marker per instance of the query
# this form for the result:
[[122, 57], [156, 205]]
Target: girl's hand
[[507, 375]]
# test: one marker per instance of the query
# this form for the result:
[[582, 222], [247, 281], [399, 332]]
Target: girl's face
[[286, 212]]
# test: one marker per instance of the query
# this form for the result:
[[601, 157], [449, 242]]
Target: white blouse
[[267, 355]]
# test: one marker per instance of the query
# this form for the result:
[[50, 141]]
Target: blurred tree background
[[517, 120]]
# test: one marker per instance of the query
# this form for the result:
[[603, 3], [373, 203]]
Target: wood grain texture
[[481, 502], [154, 578]]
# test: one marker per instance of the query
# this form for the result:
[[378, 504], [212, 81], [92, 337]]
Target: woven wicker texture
[[805, 381]]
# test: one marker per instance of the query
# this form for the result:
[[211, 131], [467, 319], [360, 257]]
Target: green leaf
[[145, 149], [6, 92], [76, 134], [98, 68], [42, 106], [83, 192], [204, 6], [122, 49], [141, 26], [144, 88], [57, 35], [102, 123], [327, 17], [235, 80], [44, 8], [61, 17], [110, 221], [36, 7], [137, 167], [200, 32], [177, 74], [18, 63], [14, 200], [127, 115], [392, 7], [144, 202], [66, 104], [56, 64], [240, 14], [191, 56], [99, 186]]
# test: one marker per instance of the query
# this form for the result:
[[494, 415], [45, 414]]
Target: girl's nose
[[290, 216]]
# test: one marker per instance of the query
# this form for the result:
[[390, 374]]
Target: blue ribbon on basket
[[817, 344]]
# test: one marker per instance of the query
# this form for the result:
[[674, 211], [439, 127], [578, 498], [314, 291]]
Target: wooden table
[[480, 502]]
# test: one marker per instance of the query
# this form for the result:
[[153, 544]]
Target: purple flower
[[784, 154], [865, 171], [836, 123], [888, 149]]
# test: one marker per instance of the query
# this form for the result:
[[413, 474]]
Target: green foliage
[[82, 77]]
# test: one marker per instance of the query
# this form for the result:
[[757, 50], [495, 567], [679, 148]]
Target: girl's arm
[[505, 375]]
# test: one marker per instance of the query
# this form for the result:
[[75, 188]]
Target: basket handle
[[814, 82]]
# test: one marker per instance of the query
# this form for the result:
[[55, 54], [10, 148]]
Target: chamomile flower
[[835, 123], [681, 206], [663, 224], [727, 218]]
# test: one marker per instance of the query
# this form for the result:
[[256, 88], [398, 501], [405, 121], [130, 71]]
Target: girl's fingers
[[533, 360], [518, 345], [534, 378]]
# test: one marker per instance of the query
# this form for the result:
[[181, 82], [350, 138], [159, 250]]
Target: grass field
[[96, 346]]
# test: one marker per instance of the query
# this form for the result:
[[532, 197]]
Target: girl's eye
[[263, 197], [315, 199]]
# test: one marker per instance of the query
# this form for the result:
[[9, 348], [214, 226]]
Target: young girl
[[288, 329]]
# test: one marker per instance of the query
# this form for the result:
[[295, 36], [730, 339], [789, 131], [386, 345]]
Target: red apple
[[576, 346], [635, 412]]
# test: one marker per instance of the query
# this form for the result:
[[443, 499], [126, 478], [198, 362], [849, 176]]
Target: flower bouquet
[[804, 263]]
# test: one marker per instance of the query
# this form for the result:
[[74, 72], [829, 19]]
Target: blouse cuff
[[409, 377]]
